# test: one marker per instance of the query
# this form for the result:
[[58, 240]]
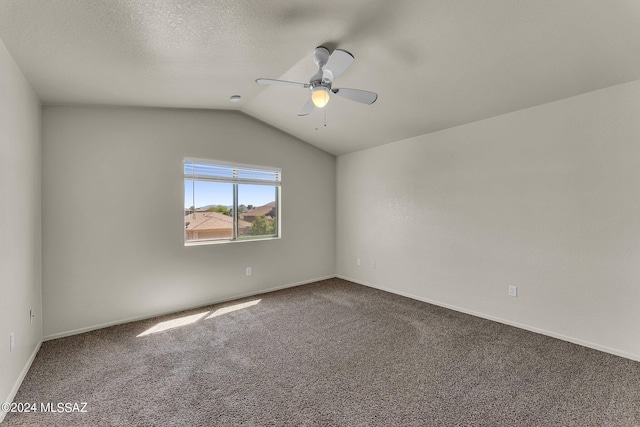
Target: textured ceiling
[[434, 64]]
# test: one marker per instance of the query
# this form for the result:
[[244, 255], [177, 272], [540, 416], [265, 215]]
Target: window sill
[[222, 242]]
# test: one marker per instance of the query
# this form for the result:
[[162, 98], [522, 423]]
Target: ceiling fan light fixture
[[320, 96]]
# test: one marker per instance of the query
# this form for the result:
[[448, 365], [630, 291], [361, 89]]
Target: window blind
[[241, 174]]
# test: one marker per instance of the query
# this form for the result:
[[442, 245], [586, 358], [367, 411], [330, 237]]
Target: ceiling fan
[[329, 67]]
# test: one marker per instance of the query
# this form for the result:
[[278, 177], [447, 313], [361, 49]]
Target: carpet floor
[[331, 353]]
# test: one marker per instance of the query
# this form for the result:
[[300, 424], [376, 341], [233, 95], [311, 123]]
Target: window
[[225, 202]]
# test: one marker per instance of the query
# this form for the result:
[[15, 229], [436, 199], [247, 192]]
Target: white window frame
[[235, 180]]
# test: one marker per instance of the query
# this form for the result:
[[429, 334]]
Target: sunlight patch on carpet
[[174, 323], [232, 308]]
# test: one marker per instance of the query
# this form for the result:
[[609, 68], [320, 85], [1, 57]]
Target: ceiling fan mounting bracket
[[321, 56]]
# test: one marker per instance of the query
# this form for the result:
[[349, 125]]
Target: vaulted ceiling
[[434, 64]]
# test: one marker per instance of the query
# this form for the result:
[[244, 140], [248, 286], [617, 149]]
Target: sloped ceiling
[[434, 64]]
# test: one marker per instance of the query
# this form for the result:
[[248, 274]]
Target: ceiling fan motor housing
[[316, 83]]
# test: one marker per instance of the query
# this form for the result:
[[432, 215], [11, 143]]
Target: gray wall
[[113, 214], [20, 244], [546, 199]]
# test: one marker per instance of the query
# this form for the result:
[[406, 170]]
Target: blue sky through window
[[216, 193]]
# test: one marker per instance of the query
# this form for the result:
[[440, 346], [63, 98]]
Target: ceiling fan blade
[[337, 64], [307, 108], [363, 96], [280, 82]]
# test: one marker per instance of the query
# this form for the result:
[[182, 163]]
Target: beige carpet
[[332, 353]]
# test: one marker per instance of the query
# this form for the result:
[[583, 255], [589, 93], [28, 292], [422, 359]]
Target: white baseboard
[[18, 383], [162, 313], [551, 334]]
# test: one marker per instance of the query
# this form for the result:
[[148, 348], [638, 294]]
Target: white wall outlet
[[513, 291], [11, 341], [373, 263], [31, 316], [248, 271], [358, 261]]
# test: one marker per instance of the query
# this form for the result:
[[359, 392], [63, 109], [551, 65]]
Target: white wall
[[547, 199], [113, 213], [20, 272]]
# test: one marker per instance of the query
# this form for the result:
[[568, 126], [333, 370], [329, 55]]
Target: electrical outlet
[[248, 271], [513, 291], [31, 316], [11, 341], [358, 261], [373, 263]]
